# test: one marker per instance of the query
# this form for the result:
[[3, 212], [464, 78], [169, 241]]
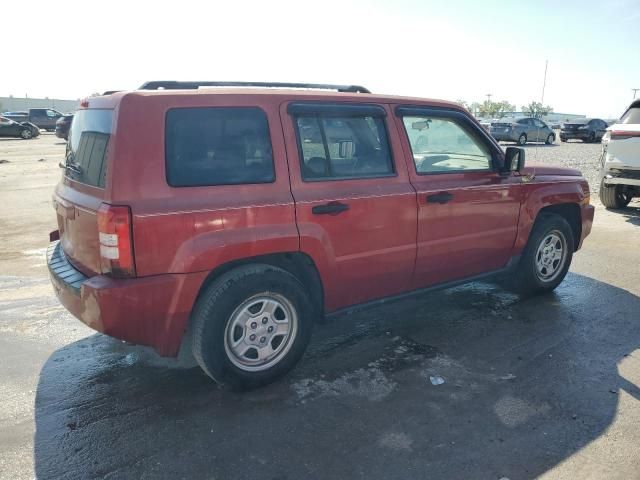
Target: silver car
[[522, 130]]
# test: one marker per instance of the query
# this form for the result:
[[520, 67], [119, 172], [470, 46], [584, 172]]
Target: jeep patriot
[[242, 213]]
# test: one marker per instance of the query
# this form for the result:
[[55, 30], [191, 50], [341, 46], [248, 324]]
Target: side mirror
[[513, 160]]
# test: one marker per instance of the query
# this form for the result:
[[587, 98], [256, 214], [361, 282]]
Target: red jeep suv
[[244, 212]]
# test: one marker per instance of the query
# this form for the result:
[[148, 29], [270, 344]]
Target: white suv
[[620, 173]]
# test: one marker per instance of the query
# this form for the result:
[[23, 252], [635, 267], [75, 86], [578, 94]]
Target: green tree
[[536, 109], [495, 109]]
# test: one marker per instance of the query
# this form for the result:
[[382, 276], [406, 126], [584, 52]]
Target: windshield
[[631, 116]]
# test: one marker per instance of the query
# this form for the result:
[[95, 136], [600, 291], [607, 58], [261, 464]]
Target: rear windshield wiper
[[73, 167]]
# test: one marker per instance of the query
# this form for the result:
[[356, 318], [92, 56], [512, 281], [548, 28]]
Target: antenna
[[634, 92]]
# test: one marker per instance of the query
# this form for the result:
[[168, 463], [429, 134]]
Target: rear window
[[87, 146], [217, 146], [631, 116]]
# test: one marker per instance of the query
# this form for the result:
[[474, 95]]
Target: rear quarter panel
[[191, 229]]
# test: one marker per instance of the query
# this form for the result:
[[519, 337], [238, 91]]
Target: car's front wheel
[[614, 196], [591, 138], [522, 139], [251, 326], [550, 139], [547, 256], [26, 134]]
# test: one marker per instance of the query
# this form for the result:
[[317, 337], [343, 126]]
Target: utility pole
[[489, 97], [634, 92], [544, 82]]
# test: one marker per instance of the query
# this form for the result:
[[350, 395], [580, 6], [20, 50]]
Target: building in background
[[16, 104]]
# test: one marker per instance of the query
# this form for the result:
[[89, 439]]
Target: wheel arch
[[298, 264], [571, 213]]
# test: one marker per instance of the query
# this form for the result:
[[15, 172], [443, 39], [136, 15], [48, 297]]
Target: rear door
[[80, 192], [467, 211], [355, 208]]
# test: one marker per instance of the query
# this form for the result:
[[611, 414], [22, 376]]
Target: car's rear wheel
[[563, 139], [550, 139], [615, 196], [251, 326], [522, 139], [26, 134], [547, 256]]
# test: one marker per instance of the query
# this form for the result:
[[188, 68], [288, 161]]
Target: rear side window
[[87, 147], [217, 146], [335, 147], [631, 116]]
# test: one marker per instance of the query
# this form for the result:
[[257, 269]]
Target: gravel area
[[575, 154]]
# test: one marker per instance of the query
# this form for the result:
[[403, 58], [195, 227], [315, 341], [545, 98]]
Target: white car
[[620, 172]]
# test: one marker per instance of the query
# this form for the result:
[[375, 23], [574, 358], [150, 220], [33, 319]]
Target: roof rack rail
[[176, 85]]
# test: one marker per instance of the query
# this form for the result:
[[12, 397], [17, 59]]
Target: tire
[[522, 139], [591, 139], [549, 231], [26, 134], [563, 140], [247, 299], [614, 196], [550, 139]]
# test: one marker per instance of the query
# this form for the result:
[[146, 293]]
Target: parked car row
[[43, 118], [530, 129]]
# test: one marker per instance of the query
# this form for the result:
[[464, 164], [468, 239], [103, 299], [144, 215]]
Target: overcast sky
[[439, 49]]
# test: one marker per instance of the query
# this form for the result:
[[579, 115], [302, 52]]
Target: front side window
[[217, 146], [336, 147], [441, 145]]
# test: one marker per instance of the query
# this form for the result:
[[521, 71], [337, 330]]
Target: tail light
[[116, 242], [623, 134]]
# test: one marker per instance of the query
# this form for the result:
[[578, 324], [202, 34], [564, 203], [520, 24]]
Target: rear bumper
[[62, 132], [152, 311], [504, 136], [568, 135]]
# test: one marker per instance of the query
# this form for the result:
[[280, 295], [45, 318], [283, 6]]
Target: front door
[[467, 211], [355, 207]]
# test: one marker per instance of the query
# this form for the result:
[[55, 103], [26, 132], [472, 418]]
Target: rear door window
[[217, 146], [87, 147], [337, 147]]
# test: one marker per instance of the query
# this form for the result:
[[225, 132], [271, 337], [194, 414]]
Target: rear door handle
[[331, 208], [441, 198]]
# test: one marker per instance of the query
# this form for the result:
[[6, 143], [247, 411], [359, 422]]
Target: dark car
[[522, 130], [62, 126], [585, 129], [9, 128]]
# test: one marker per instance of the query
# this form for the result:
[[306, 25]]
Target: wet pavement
[[533, 387]]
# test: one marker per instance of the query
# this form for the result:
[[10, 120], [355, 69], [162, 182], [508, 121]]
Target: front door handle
[[331, 208], [441, 198]]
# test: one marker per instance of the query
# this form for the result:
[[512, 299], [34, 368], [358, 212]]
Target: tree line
[[501, 109]]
